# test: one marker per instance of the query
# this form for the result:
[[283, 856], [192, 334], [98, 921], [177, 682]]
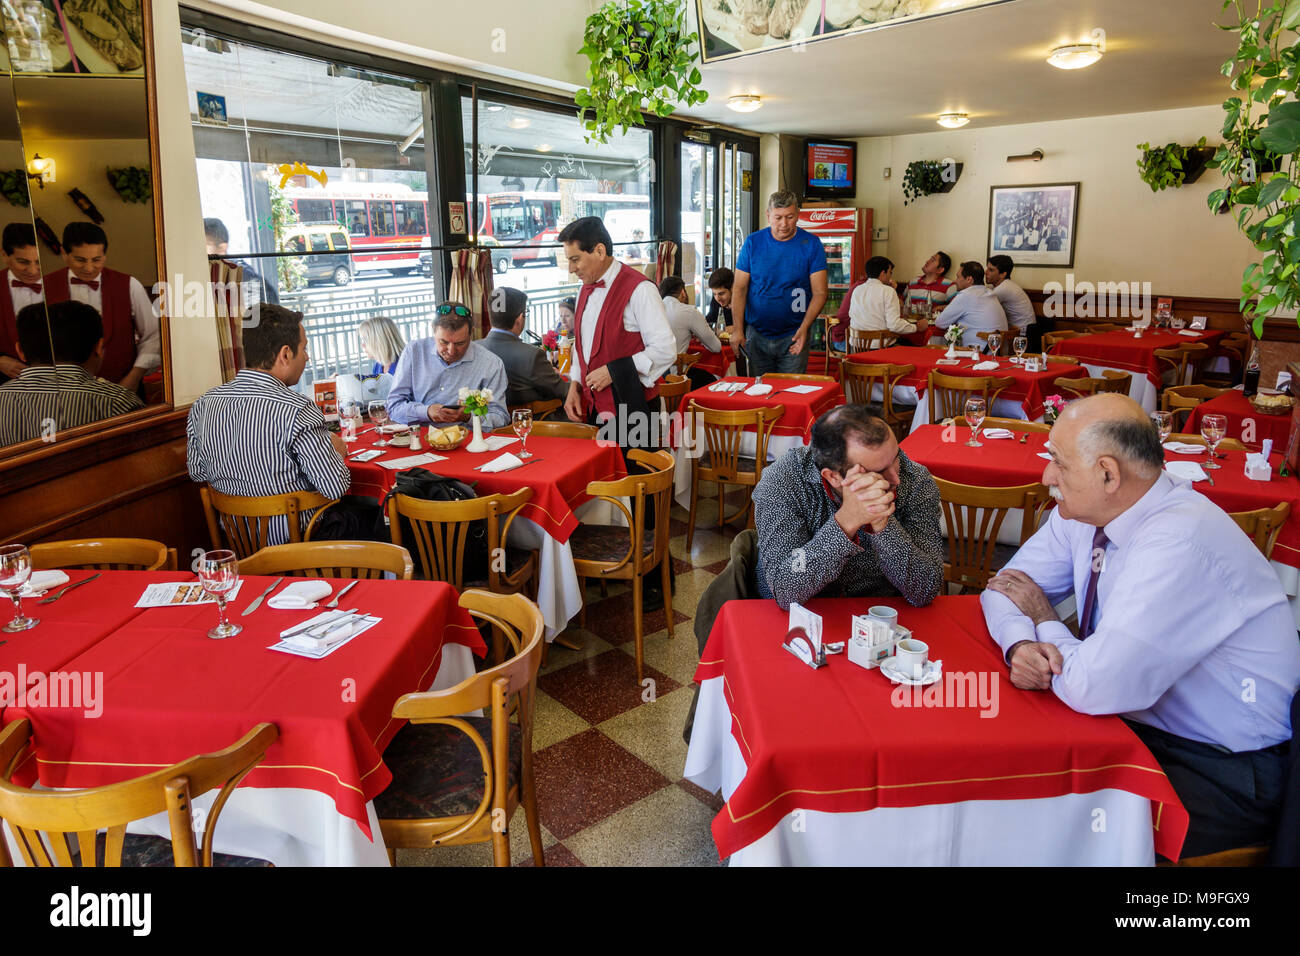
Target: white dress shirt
[[976, 309], [1193, 633], [644, 314], [148, 347], [21, 296], [1015, 303], [874, 307], [687, 323]]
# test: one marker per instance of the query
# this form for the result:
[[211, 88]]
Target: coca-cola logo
[[826, 216]]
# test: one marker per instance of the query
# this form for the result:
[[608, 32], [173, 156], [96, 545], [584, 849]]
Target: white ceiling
[[989, 62]]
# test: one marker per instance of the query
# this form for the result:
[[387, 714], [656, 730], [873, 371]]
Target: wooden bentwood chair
[[555, 429], [245, 523], [1263, 525], [104, 554], [973, 516], [459, 779], [1111, 381], [719, 458], [860, 382], [540, 409], [1182, 399], [331, 559], [49, 825], [948, 393]]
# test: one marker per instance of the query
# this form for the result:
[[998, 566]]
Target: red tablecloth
[[1007, 463], [1028, 388], [837, 740], [1121, 350], [170, 692], [1233, 406], [715, 363], [559, 479], [801, 410]]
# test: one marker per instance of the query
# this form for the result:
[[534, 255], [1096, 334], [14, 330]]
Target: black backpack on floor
[[427, 486]]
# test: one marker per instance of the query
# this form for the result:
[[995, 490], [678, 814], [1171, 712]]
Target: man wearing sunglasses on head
[[431, 372]]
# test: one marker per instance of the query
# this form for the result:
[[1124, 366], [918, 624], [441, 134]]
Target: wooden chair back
[[1263, 525], [974, 515], [685, 361], [540, 409], [104, 554], [948, 393], [671, 390], [1181, 399], [655, 484], [1052, 339], [1010, 424], [558, 430], [1111, 381], [798, 377], [860, 382], [48, 824], [244, 524], [860, 341], [442, 528], [1227, 444], [1179, 357], [331, 559], [1053, 359], [724, 433]]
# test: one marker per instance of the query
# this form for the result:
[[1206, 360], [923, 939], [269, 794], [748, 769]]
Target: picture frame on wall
[[1035, 225]]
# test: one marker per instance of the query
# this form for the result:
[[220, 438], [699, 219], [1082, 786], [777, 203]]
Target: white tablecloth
[[1105, 828]]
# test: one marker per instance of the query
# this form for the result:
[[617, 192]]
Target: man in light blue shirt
[[1184, 628], [975, 308], [431, 373]]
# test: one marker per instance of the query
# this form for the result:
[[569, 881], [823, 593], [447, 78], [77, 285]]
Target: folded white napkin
[[726, 386], [1189, 332], [1187, 470], [497, 442], [1045, 455], [758, 389], [804, 389], [411, 461], [997, 433], [299, 595], [985, 367], [42, 581], [501, 463], [1184, 448]]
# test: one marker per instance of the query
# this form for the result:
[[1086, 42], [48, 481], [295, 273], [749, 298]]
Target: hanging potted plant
[[927, 177], [641, 60], [1258, 158], [1171, 166]]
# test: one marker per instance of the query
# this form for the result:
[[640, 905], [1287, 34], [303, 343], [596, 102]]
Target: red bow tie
[[93, 283], [598, 284], [35, 287]]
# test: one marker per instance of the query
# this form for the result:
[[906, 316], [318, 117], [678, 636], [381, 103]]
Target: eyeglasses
[[447, 309]]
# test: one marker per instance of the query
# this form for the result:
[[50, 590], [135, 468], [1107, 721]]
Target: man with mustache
[[1184, 629]]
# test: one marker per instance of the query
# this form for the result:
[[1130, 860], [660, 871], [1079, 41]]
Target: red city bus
[[520, 219], [375, 215]]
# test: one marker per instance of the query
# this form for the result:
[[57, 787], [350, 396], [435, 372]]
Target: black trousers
[[1233, 799], [700, 378]]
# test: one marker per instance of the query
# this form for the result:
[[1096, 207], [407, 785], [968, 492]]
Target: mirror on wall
[[74, 75]]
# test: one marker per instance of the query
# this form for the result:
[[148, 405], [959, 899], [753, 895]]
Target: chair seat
[[142, 850], [744, 464], [438, 772], [606, 542], [516, 560]]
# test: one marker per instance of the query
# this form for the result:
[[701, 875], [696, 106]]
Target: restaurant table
[[715, 363], [1022, 399], [1234, 406], [1123, 351], [169, 692], [838, 766], [558, 473], [792, 429]]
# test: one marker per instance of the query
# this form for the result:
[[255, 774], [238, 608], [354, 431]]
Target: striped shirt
[[423, 379], [45, 398], [939, 292], [254, 436]]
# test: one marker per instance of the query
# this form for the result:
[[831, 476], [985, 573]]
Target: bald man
[[1183, 627]]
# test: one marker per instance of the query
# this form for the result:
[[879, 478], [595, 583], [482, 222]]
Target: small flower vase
[[477, 444], [952, 350]]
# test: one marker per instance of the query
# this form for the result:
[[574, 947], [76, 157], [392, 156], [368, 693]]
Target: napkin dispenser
[[803, 639], [872, 641], [1257, 466]]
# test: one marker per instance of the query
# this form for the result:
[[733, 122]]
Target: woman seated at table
[[382, 343], [567, 309], [874, 306]]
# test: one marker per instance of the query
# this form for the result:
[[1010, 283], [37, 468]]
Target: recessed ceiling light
[[519, 122], [1075, 56], [953, 120], [545, 148], [495, 107], [745, 102]]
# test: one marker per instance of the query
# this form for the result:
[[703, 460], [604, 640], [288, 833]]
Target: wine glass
[[219, 574], [15, 569], [1164, 424], [522, 419], [1213, 428], [378, 413], [1020, 343], [975, 409], [349, 413], [995, 344]]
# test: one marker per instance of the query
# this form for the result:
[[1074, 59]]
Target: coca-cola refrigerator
[[846, 235]]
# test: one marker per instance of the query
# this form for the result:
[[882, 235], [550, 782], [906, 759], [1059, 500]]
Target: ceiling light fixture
[[495, 107], [1075, 56], [744, 102], [519, 122], [545, 148], [953, 120]]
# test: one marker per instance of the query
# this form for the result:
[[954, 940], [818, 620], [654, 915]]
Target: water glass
[[1164, 422], [15, 569], [219, 575], [522, 419], [995, 344], [1213, 428], [1020, 343], [378, 413], [975, 410]]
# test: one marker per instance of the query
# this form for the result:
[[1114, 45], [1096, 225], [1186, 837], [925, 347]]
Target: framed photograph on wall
[[1034, 225]]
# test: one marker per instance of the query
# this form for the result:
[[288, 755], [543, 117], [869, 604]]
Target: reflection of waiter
[[22, 282], [120, 299]]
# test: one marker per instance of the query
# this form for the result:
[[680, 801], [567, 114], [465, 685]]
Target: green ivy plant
[[1258, 158], [641, 60], [13, 186], [1165, 167], [132, 183], [922, 178]]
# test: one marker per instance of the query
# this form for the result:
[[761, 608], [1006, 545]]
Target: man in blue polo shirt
[[779, 290]]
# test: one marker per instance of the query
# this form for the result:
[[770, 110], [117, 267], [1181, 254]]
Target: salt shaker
[[415, 439]]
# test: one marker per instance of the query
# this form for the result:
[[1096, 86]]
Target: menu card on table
[[181, 594]]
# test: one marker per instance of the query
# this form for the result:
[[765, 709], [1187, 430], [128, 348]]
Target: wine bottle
[[1251, 376]]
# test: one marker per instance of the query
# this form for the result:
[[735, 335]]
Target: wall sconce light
[[41, 169], [1035, 157]]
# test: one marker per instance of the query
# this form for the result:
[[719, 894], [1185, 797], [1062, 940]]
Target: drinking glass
[[1020, 343], [1164, 424], [522, 419], [1213, 428], [378, 413], [975, 418], [219, 574], [349, 413], [995, 344], [15, 569]]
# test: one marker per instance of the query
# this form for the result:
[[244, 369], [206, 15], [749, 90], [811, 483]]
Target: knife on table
[[257, 601]]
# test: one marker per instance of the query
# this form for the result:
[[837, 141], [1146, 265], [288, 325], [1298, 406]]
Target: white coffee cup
[[882, 613], [910, 656]]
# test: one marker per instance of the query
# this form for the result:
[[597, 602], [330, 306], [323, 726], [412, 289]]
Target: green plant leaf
[[1272, 191], [1282, 134]]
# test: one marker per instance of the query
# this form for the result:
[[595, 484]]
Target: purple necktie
[[1097, 557]]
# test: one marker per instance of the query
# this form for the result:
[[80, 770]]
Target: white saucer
[[933, 671]]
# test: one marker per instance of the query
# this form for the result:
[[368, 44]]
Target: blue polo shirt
[[776, 270]]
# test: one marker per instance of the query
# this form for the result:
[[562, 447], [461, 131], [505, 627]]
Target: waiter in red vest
[[132, 340], [22, 283]]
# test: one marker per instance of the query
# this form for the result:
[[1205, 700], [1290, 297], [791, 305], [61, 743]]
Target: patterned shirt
[[423, 379], [47, 397], [938, 292], [804, 553]]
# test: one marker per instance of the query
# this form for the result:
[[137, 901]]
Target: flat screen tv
[[830, 169]]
